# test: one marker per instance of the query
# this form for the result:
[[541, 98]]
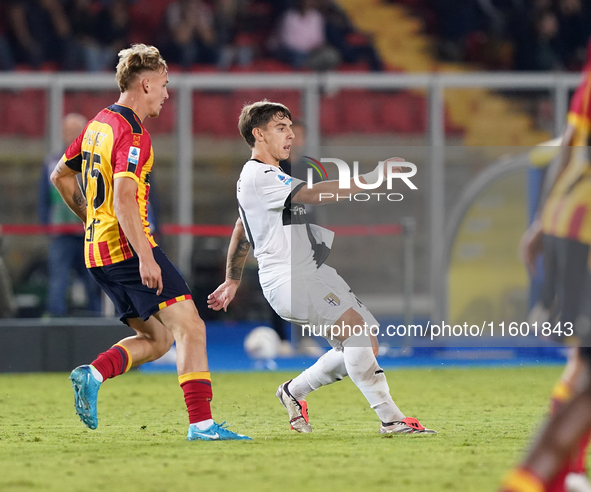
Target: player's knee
[[375, 349], [351, 318], [166, 342], [189, 330]]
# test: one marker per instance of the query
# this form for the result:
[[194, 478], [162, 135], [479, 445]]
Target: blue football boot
[[215, 432], [86, 388]]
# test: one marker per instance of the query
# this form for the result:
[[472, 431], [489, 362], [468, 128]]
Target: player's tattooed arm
[[237, 253], [80, 203], [66, 182]]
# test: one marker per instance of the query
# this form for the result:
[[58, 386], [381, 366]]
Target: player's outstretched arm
[[237, 253], [65, 181], [328, 191], [128, 215]]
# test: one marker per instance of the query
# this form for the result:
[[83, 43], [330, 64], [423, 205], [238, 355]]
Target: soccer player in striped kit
[[114, 155], [557, 460]]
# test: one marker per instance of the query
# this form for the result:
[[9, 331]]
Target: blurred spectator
[[42, 33], [302, 41], [549, 49], [234, 38], [192, 33], [66, 251], [99, 31], [6, 56], [111, 31], [517, 34], [352, 45], [82, 15], [455, 22], [575, 30]]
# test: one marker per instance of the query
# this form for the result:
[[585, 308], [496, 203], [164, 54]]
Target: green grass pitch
[[485, 418]]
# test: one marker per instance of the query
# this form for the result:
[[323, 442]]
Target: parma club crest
[[332, 300]]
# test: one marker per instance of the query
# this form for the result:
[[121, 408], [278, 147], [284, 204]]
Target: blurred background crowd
[[192, 34], [201, 35], [511, 34]]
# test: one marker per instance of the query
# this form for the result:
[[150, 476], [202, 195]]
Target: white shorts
[[319, 300]]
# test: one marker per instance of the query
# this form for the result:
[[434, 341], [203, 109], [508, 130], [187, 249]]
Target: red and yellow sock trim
[[521, 480], [562, 392], [126, 357], [170, 302], [190, 376]]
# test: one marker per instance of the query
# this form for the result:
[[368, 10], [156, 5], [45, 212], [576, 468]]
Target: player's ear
[[145, 82], [257, 134]]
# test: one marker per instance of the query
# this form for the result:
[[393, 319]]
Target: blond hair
[[135, 60], [257, 115]]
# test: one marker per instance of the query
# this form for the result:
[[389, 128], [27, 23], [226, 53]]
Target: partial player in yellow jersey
[[114, 155], [557, 460]]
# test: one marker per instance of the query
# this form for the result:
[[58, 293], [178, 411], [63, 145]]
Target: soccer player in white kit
[[296, 282]]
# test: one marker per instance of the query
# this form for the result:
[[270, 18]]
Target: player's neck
[[265, 156], [130, 100]]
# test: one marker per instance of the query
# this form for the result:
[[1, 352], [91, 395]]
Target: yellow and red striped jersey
[[114, 144], [567, 212]]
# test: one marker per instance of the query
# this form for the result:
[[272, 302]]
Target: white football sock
[[328, 369], [97, 375], [204, 424], [364, 371]]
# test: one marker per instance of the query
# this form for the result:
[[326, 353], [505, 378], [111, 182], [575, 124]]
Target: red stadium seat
[[203, 68], [26, 112], [359, 115], [403, 112], [271, 65], [329, 115], [354, 67], [146, 19], [210, 114]]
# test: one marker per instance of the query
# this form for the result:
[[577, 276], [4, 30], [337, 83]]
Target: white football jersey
[[284, 244]]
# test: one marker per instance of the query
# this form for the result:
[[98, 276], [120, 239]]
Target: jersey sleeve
[[579, 113], [130, 154], [73, 155], [275, 188]]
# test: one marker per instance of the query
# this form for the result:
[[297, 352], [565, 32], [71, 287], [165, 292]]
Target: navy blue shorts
[[122, 283]]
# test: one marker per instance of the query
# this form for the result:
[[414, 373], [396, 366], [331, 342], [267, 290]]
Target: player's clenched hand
[[151, 274], [222, 296]]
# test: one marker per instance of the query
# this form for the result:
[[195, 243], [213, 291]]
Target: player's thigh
[[116, 292], [571, 278], [123, 284], [289, 300], [182, 318], [331, 297]]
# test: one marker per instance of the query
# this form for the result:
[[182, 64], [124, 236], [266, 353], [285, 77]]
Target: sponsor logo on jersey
[[284, 179], [134, 155], [332, 300], [298, 210]]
